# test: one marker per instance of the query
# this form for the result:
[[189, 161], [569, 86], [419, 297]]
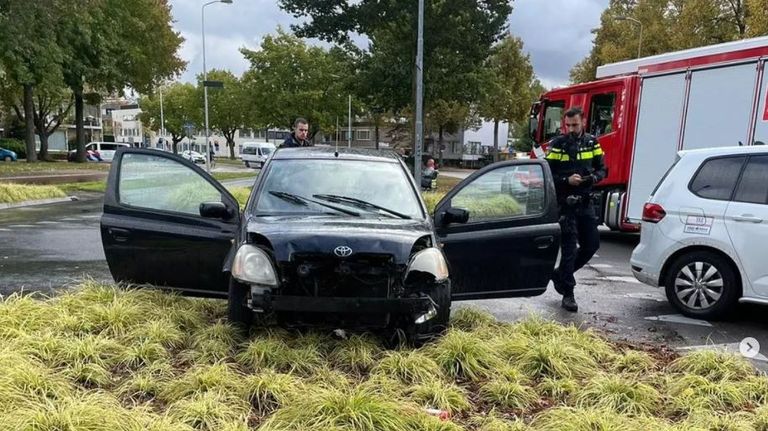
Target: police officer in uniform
[[576, 161]]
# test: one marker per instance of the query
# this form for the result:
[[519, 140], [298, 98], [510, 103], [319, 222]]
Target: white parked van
[[254, 154], [106, 149]]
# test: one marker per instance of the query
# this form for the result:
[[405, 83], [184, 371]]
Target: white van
[[254, 154], [106, 149]]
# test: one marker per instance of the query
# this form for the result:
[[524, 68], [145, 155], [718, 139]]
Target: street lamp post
[[162, 118], [419, 95], [640, 24], [205, 88]]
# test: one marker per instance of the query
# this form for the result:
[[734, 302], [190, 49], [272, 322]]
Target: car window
[[381, 183], [601, 114], [159, 183], [753, 187], [265, 151], [108, 147], [717, 178], [553, 117], [250, 150], [513, 191]]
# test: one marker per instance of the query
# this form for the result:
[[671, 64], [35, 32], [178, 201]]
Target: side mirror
[[214, 210], [533, 124], [455, 215]]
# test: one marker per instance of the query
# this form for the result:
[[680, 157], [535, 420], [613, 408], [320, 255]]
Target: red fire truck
[[643, 111]]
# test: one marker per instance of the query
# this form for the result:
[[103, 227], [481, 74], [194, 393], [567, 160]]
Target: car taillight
[[653, 212]]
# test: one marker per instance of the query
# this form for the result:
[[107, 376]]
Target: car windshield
[[370, 188], [266, 151]]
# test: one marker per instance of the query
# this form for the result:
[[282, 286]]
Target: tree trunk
[[376, 131], [29, 122], [43, 134], [79, 128], [175, 142], [495, 140], [440, 145]]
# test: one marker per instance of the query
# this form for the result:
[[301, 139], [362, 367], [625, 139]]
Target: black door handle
[[120, 235], [543, 242]]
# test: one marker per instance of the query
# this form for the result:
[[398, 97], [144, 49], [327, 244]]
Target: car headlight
[[429, 261], [253, 266]]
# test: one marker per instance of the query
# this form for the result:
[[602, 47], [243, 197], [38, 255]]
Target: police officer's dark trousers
[[580, 241]]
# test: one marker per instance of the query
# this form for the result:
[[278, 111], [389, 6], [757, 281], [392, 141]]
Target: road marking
[[47, 222], [2, 229], [623, 279], [91, 216], [70, 219], [725, 347], [648, 296], [678, 318], [600, 265], [17, 226]]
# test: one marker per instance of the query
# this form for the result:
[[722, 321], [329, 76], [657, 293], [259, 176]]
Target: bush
[[14, 145]]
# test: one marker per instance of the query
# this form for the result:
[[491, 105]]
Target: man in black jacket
[[298, 138], [576, 161]]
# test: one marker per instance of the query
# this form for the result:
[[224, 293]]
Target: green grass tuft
[[471, 318], [461, 355], [14, 193], [509, 395], [440, 395], [713, 365], [409, 367], [268, 390], [493, 423], [358, 354], [209, 411], [619, 393], [634, 362], [693, 393], [204, 378], [558, 389]]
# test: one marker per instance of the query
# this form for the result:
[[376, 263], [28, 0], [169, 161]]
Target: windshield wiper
[[303, 201], [360, 204]]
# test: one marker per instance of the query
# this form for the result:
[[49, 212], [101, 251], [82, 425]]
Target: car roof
[[269, 144], [330, 153], [725, 151]]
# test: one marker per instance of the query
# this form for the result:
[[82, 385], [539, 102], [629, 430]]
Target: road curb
[[38, 202]]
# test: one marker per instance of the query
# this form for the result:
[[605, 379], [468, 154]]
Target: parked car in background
[[255, 154], [106, 150], [193, 156], [330, 237], [8, 155], [704, 231]]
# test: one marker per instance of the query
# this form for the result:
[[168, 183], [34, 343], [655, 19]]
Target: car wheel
[[702, 285], [247, 164], [416, 334], [237, 304], [7, 158]]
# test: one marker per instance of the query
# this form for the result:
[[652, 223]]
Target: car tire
[[714, 286], [418, 334], [7, 158], [247, 164], [237, 305]]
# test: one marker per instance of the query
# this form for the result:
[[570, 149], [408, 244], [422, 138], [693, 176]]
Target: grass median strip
[[13, 193], [99, 357]]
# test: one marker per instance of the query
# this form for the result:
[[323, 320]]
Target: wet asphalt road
[[50, 246]]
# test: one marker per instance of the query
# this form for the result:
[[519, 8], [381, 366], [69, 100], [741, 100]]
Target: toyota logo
[[342, 251]]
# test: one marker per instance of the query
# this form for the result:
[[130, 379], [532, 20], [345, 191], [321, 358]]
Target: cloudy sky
[[555, 32]]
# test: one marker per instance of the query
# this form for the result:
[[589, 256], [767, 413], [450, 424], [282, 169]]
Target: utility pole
[[419, 96]]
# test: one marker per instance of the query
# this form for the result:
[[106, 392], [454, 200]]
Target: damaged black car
[[332, 237]]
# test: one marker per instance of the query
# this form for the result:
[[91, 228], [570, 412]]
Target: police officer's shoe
[[569, 303]]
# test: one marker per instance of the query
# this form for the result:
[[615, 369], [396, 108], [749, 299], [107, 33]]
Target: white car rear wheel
[[702, 285]]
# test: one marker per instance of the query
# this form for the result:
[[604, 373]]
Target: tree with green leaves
[[506, 95], [114, 44], [669, 25], [29, 52], [227, 107], [458, 36], [288, 79], [181, 105]]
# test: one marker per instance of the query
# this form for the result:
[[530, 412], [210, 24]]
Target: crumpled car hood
[[322, 234]]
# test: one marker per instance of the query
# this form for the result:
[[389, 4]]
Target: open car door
[[499, 231], [167, 223]]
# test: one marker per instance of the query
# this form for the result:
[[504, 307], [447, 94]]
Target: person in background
[[298, 138]]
